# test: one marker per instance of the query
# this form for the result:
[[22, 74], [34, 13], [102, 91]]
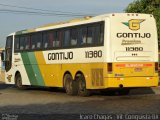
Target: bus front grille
[[97, 77]]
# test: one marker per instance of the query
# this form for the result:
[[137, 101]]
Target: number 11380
[[134, 48]]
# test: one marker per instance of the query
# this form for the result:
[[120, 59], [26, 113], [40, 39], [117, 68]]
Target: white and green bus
[[92, 53]]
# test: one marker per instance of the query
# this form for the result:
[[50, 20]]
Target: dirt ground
[[46, 103]]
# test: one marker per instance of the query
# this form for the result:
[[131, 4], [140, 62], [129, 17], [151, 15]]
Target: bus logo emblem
[[134, 24]]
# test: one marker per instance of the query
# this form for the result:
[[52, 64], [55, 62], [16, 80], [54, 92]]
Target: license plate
[[138, 69]]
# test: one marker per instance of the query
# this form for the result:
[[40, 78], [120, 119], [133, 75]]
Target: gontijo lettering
[[133, 35], [60, 56]]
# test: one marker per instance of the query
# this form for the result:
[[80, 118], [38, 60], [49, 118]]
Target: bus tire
[[18, 82], [70, 85], [82, 91]]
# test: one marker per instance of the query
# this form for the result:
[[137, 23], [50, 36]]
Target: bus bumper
[[131, 82]]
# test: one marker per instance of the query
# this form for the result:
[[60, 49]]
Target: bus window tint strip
[[87, 35]]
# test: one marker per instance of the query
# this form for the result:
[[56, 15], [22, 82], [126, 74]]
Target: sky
[[12, 22]]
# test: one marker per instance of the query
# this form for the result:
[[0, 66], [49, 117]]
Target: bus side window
[[82, 35], [57, 42], [101, 33], [33, 41], [27, 42], [52, 39], [90, 35], [97, 34], [45, 40], [38, 40], [16, 45], [59, 38], [66, 40], [74, 36], [22, 42]]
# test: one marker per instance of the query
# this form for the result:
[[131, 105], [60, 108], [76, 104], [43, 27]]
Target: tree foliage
[[146, 6]]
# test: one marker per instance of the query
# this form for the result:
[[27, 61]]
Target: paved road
[[45, 103]]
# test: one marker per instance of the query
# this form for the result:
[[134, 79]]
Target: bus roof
[[73, 21]]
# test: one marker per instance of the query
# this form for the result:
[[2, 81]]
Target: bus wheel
[[70, 85], [18, 82], [82, 91]]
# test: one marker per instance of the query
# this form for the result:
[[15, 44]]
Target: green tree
[[146, 6]]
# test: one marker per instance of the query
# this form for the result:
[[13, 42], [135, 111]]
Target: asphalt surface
[[45, 103]]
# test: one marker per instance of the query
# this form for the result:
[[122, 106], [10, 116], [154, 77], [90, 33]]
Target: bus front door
[[8, 52]]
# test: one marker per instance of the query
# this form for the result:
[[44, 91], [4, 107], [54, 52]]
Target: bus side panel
[[18, 66], [51, 73]]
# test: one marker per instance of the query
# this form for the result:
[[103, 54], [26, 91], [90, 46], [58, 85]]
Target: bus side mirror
[[2, 57]]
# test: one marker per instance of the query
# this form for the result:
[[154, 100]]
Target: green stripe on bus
[[28, 68], [36, 69]]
